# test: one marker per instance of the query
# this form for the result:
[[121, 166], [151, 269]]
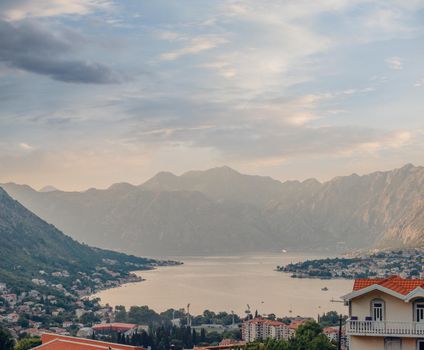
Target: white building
[[386, 314], [261, 329]]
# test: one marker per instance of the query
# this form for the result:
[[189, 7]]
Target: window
[[393, 344], [419, 311], [377, 310], [420, 344]]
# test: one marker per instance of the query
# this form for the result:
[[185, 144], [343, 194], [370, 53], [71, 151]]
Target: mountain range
[[220, 211]]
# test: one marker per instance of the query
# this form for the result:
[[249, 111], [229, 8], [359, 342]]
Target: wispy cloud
[[193, 46], [395, 63], [25, 146], [14, 10], [419, 83]]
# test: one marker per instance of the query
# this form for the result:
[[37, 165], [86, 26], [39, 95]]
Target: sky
[[94, 92]]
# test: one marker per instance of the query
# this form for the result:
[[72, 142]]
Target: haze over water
[[230, 283]]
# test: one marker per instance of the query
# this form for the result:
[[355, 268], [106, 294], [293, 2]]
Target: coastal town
[[32, 314], [406, 263], [62, 301], [49, 307], [69, 309]]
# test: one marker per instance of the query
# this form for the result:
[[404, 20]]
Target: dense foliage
[[308, 337], [6, 339], [331, 319], [27, 343], [162, 337], [145, 315]]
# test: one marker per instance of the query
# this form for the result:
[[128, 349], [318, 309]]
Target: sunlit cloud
[[25, 146], [15, 10], [194, 46], [395, 63]]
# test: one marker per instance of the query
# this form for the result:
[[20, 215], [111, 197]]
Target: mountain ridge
[[30, 245], [221, 211]]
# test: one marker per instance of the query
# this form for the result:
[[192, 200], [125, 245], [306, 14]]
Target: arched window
[[377, 310]]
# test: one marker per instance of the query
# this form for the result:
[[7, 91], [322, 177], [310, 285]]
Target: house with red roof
[[386, 313], [62, 342]]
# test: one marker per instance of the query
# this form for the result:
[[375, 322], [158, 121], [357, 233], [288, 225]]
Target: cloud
[[33, 48], [195, 46], [25, 146], [13, 10], [271, 130], [386, 141], [395, 63], [419, 83]]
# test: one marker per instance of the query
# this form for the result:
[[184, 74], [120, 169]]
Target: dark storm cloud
[[31, 47]]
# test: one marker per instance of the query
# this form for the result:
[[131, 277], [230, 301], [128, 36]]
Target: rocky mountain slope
[[220, 211], [30, 245]]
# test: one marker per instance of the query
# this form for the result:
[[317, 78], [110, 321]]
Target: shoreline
[[132, 278], [204, 284]]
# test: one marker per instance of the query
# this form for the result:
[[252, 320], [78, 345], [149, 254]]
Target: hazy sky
[[94, 92]]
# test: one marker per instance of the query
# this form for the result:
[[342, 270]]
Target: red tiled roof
[[395, 283], [62, 342], [328, 330], [296, 323]]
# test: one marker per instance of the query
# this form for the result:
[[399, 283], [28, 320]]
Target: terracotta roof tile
[[61, 342], [397, 284]]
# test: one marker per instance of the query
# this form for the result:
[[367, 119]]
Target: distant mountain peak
[[408, 167], [48, 188], [225, 168], [165, 175], [121, 186]]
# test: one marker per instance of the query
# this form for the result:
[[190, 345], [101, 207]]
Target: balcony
[[385, 328]]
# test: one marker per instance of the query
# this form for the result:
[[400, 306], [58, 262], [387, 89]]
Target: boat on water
[[324, 289]]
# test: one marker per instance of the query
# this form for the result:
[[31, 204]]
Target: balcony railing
[[385, 328]]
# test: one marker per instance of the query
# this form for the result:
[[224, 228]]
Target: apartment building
[[261, 329], [386, 314]]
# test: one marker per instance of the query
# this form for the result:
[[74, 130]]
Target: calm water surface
[[229, 283]]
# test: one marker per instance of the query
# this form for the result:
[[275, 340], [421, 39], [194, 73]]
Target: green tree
[[330, 318], [309, 336], [194, 337], [27, 343], [6, 339], [321, 342], [121, 314], [143, 315], [202, 335]]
